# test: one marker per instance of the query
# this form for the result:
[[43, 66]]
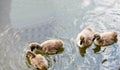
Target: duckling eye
[[37, 68], [26, 56], [93, 39], [98, 37]]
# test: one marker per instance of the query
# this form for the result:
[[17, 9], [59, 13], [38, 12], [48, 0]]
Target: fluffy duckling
[[85, 37], [38, 61], [49, 46], [104, 39]]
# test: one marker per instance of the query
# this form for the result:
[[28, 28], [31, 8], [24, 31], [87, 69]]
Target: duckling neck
[[40, 48], [99, 40], [32, 55], [43, 67]]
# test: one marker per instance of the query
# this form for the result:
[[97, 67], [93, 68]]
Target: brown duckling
[[104, 39], [49, 46], [85, 37], [37, 60]]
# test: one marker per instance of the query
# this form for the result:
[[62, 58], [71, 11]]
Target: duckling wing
[[34, 62]]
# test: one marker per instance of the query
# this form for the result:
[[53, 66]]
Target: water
[[25, 21]]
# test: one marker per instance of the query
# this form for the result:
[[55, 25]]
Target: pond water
[[26, 21]]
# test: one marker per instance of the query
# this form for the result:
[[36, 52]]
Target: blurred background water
[[25, 21]]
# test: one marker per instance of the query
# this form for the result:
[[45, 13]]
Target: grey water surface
[[26, 21]]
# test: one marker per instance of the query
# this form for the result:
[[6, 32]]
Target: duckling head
[[33, 46], [96, 36], [115, 34], [30, 54], [43, 67]]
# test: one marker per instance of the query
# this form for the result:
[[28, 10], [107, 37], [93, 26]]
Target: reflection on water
[[25, 21], [98, 48], [82, 51]]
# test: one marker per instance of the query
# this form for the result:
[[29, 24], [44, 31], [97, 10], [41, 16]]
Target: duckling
[[37, 60], [49, 46], [84, 38], [105, 39]]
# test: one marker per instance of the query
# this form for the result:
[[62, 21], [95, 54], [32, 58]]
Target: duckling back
[[51, 46], [39, 62]]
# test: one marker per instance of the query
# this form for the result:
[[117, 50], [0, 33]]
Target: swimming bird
[[85, 37], [37, 60], [105, 39], [49, 46]]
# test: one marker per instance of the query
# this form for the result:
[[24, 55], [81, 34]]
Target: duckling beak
[[93, 39], [37, 68], [80, 42], [26, 56]]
